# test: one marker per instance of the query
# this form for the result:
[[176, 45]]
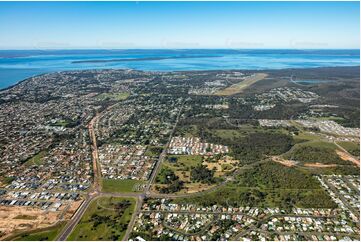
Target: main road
[[75, 219], [96, 170], [163, 154], [96, 189]]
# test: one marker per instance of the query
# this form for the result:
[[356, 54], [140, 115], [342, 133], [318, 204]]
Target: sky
[[180, 25]]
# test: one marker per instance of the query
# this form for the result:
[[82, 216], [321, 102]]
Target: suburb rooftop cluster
[[119, 154]]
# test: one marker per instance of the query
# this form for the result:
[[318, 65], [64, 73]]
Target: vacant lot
[[181, 166], [14, 220], [268, 185], [36, 159], [113, 96], [47, 234], [106, 218], [183, 162], [116, 185], [241, 86]]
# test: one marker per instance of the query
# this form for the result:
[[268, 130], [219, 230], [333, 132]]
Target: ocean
[[17, 65]]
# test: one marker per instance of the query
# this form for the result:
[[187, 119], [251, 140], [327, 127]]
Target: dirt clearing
[[319, 165], [288, 163], [16, 219], [344, 156]]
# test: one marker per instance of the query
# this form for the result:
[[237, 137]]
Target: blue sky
[[66, 25]]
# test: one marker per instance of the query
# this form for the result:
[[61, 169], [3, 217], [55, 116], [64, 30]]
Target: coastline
[[181, 71], [21, 81]]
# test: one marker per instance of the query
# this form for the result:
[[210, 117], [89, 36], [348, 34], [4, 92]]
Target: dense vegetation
[[233, 195], [338, 170], [350, 119], [259, 144], [254, 146], [174, 186], [167, 176], [154, 151], [268, 184], [354, 152], [351, 147], [315, 154], [280, 111], [272, 175], [202, 174]]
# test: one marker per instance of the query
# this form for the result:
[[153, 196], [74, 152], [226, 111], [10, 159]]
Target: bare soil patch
[[288, 163], [344, 156], [16, 219], [319, 165], [72, 209]]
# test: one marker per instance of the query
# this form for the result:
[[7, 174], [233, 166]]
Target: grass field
[[241, 86], [330, 118], [113, 96], [187, 131], [313, 140], [36, 159], [229, 133], [103, 220], [351, 147], [48, 234], [113, 185], [221, 165], [319, 144], [184, 162], [6, 180], [183, 165], [182, 168], [305, 136], [153, 151], [62, 123], [313, 152]]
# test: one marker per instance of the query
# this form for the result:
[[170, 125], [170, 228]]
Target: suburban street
[[162, 155], [96, 193]]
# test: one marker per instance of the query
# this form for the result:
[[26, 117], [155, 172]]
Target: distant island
[[143, 59]]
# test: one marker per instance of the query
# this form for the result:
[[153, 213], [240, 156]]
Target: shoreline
[[179, 71]]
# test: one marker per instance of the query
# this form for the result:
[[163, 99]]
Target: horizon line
[[215, 48]]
